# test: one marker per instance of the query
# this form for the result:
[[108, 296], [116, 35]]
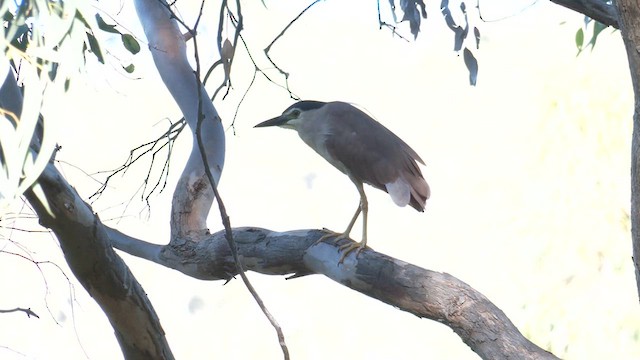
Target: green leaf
[[82, 19], [53, 71], [579, 39], [130, 68], [130, 43], [597, 28], [106, 27], [95, 47]]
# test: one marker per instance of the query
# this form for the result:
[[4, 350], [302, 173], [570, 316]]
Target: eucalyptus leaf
[[579, 39], [130, 43], [472, 66], [597, 29], [95, 47], [102, 25]]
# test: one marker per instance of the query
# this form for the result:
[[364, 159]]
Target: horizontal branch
[[424, 293], [598, 10]]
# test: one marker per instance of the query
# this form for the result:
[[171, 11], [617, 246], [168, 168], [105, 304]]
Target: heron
[[361, 148]]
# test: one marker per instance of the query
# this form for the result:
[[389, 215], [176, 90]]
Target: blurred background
[[529, 172]]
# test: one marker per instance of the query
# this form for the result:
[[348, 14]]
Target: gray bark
[[629, 12], [598, 10], [424, 293], [193, 195], [86, 246]]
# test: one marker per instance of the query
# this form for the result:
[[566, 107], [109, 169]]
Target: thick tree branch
[[598, 10], [193, 195], [86, 247], [629, 13], [424, 293]]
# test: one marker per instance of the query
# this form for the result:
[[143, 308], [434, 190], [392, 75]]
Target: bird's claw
[[332, 234], [347, 248]]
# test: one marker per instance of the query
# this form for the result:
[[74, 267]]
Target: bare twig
[[27, 311], [389, 26], [167, 139], [227, 80], [219, 43], [227, 59], [38, 265], [90, 176], [223, 213], [13, 351], [13, 228], [268, 48], [256, 70], [27, 255], [235, 114]]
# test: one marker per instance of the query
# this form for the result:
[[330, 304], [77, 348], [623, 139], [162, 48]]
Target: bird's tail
[[420, 192]]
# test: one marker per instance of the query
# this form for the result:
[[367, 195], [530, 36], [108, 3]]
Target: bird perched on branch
[[364, 150]]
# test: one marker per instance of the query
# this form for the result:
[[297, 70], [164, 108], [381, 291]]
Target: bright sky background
[[529, 174]]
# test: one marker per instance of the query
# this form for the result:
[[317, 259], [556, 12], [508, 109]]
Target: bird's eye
[[295, 113]]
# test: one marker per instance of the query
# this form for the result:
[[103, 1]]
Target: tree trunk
[[86, 246], [629, 20]]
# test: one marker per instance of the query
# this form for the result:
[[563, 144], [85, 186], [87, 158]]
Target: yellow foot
[[347, 248], [350, 247], [332, 234]]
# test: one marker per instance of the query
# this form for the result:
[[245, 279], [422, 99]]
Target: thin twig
[[167, 139], [235, 115], [256, 70], [389, 26], [268, 48], [223, 213], [27, 311], [38, 265]]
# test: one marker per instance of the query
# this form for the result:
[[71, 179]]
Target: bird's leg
[[343, 235], [358, 246]]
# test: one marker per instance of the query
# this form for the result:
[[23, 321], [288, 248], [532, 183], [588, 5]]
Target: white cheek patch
[[400, 191]]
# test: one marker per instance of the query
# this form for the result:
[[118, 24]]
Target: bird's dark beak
[[276, 121]]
